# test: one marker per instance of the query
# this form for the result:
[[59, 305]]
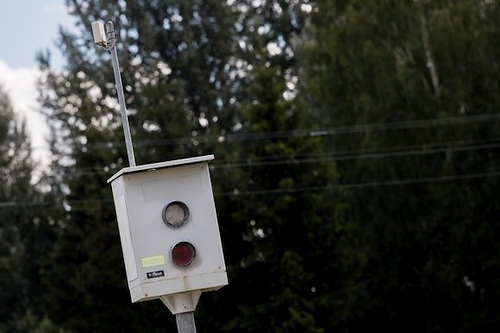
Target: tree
[[172, 91], [407, 106], [25, 235], [189, 69], [304, 262]]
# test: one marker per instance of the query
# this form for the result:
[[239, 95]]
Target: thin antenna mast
[[107, 39]]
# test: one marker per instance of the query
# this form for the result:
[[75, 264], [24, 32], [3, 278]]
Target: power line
[[359, 156], [365, 185], [360, 153], [328, 131], [338, 187], [377, 153]]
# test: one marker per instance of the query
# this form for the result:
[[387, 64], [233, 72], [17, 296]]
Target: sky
[[28, 27]]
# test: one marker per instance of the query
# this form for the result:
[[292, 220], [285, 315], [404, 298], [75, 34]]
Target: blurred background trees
[[406, 92], [26, 229], [356, 177]]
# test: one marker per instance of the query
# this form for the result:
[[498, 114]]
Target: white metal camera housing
[[98, 33], [160, 206]]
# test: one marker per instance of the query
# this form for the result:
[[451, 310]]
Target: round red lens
[[183, 254]]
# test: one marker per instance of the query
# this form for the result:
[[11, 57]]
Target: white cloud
[[59, 11], [54, 8], [20, 85]]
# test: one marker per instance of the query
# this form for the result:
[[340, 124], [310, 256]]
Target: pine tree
[[407, 107], [25, 233], [302, 272], [192, 73], [172, 78]]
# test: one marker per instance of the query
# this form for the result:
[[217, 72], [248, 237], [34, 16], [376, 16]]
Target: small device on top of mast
[[99, 33]]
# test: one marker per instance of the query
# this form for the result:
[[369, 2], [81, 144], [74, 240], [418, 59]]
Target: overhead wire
[[373, 155], [336, 156], [441, 121], [335, 130], [338, 187], [383, 152]]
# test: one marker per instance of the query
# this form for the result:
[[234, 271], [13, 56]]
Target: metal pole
[[110, 30], [185, 322]]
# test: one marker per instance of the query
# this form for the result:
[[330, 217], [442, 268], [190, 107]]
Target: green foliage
[[405, 91], [33, 324], [355, 175], [199, 77], [24, 235], [174, 91], [289, 224]]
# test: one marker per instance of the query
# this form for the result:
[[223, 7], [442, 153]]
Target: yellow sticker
[[153, 261]]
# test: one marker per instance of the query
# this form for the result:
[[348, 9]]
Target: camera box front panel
[[172, 228]]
